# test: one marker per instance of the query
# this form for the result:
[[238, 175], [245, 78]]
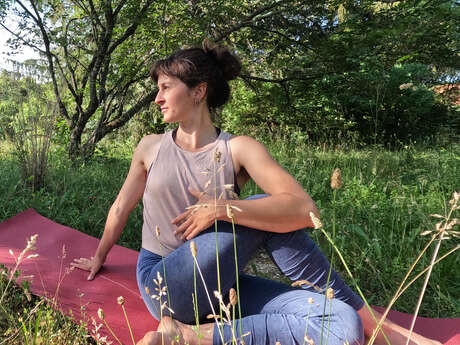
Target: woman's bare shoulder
[[147, 149], [150, 139], [245, 144], [242, 140]]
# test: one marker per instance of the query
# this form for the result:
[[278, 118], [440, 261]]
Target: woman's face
[[174, 98]]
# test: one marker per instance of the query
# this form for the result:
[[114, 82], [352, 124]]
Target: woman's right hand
[[93, 265]]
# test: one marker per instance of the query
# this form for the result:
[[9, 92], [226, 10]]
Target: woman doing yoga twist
[[201, 166]]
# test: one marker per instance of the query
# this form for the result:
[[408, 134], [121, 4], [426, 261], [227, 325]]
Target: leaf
[[359, 231]]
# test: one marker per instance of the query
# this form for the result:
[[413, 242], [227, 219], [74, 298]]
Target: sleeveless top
[[171, 173]]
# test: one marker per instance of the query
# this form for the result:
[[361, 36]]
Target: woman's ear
[[200, 91]]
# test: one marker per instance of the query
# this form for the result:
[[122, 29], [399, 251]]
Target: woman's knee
[[351, 324]]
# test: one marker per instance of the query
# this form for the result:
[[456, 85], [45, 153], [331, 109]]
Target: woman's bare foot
[[172, 332]]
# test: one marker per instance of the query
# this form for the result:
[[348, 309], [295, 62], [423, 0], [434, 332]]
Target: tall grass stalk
[[336, 184], [193, 250], [101, 315], [121, 302], [427, 268], [442, 229], [319, 225], [231, 216], [18, 260], [216, 160]]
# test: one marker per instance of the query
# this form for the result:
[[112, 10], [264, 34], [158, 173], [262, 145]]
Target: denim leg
[[179, 268], [274, 312], [295, 253], [299, 258]]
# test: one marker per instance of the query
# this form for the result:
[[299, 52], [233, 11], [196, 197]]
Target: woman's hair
[[211, 64]]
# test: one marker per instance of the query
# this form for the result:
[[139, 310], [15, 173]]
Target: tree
[[98, 53], [93, 62]]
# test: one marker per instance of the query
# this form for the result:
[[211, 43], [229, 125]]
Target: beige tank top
[[166, 193]]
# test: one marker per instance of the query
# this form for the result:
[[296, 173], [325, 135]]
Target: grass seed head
[[121, 300], [229, 211], [193, 248], [232, 296], [455, 197], [216, 156], [101, 314], [316, 222], [309, 340], [330, 293], [336, 179]]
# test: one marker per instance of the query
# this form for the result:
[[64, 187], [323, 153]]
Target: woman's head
[[210, 64]]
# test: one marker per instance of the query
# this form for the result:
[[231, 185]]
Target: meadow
[[378, 214]]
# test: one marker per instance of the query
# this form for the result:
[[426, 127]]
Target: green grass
[[381, 210]]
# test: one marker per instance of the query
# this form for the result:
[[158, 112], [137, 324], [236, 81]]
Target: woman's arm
[[286, 209], [126, 200], [288, 206]]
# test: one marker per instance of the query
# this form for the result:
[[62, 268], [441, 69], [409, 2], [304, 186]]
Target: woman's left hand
[[197, 218]]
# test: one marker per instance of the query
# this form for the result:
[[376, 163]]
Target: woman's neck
[[195, 135]]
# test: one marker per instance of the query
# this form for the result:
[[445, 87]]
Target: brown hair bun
[[229, 64]]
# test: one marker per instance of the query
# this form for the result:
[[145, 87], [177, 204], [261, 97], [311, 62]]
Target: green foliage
[[381, 210], [28, 122], [28, 320], [327, 68], [390, 107]]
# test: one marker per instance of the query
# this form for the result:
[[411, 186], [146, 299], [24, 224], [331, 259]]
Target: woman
[[195, 166]]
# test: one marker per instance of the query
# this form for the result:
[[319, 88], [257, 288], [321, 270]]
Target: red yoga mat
[[117, 278]]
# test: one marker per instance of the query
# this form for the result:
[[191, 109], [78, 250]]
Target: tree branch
[[38, 20], [132, 29], [279, 81], [247, 20], [23, 40]]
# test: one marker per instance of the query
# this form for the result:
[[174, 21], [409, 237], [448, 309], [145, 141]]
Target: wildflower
[[316, 222], [310, 300], [120, 300], [193, 248], [100, 313], [336, 179], [330, 293]]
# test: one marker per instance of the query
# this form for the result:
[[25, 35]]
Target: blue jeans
[[271, 311]]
